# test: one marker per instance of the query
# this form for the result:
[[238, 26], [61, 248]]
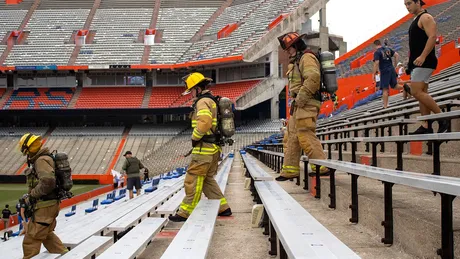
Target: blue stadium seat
[[94, 207], [72, 211], [154, 186]]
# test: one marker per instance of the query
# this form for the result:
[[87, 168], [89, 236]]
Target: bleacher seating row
[[91, 149], [114, 97], [300, 234], [39, 98]]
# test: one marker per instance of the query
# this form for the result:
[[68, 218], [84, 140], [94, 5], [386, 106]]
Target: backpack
[[328, 76], [63, 174], [225, 119]]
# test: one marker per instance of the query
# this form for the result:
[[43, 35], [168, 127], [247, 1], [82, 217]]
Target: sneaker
[[443, 126], [421, 130], [177, 218], [225, 213], [406, 88]]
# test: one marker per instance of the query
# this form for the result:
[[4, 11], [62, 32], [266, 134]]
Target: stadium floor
[[10, 193]]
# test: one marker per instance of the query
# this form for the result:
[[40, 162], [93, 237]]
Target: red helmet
[[288, 39]]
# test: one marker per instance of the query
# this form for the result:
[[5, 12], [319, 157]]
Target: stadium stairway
[[153, 23], [87, 26], [6, 96], [210, 21], [24, 22], [75, 97], [147, 94]]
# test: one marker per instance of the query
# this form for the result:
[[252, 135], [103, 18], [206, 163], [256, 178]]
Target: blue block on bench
[[72, 211], [110, 199], [121, 195], [94, 207], [154, 186]]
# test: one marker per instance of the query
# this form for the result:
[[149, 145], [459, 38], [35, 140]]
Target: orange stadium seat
[[110, 97], [39, 98]]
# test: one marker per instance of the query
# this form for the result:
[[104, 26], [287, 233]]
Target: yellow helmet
[[194, 79], [26, 142]]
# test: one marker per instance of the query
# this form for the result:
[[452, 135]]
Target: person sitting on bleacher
[[42, 197], [304, 84], [132, 167], [205, 152]]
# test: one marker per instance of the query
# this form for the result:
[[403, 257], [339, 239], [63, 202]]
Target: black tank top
[[417, 42]]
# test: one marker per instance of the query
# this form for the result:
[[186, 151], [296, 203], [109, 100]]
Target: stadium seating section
[[39, 98], [110, 97], [171, 96], [114, 97], [116, 30], [92, 149], [446, 18]]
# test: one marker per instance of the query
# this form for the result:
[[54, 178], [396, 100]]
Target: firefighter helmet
[[195, 79], [26, 142], [289, 39]]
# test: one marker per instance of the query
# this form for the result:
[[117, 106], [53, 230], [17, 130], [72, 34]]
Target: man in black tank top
[[423, 61]]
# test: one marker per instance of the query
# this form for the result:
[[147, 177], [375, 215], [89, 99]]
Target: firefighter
[[205, 150], [41, 197], [304, 75]]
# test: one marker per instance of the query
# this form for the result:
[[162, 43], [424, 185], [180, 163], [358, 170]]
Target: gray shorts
[[421, 74]]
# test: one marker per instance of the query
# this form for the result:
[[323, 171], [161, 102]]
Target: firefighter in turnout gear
[[42, 197], [304, 75], [205, 152]]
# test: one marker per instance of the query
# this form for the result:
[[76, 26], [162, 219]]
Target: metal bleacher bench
[[300, 234], [96, 223], [345, 132], [275, 160], [434, 117], [435, 139], [136, 216], [135, 241], [193, 239], [46, 255], [256, 173], [447, 187], [88, 248]]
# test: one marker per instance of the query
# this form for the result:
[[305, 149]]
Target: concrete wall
[[268, 89], [294, 22]]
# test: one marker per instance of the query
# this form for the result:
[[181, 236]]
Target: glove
[[195, 142], [301, 99]]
